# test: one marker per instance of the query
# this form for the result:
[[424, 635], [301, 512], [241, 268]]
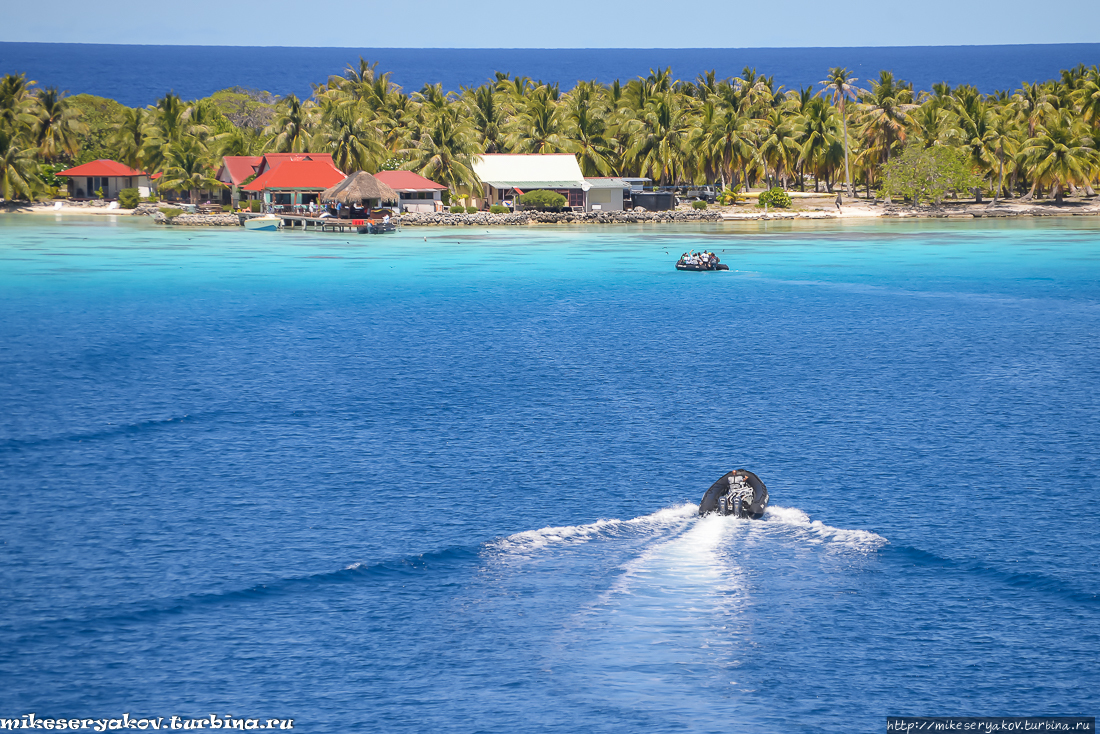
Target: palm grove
[[1041, 140]]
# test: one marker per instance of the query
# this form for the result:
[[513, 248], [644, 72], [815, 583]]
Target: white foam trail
[[819, 532], [532, 540], [687, 560]]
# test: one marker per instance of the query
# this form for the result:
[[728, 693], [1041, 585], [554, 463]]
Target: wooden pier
[[317, 224]]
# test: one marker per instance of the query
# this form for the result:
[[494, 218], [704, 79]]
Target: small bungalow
[[417, 193], [106, 175], [235, 170], [607, 194], [295, 182], [506, 176], [358, 194]]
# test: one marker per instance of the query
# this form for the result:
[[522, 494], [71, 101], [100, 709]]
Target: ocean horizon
[[137, 75]]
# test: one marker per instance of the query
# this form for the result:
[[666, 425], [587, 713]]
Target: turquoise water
[[444, 480]]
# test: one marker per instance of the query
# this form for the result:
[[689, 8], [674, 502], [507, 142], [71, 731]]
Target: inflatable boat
[[739, 493], [700, 261], [684, 266]]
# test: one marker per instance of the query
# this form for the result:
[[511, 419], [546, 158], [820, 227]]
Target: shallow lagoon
[[441, 481]]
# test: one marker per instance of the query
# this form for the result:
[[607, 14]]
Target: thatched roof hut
[[360, 187]]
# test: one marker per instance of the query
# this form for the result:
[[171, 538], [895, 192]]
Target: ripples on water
[[446, 481]]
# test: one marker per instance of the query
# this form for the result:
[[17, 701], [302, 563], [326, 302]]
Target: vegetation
[[499, 209], [128, 198], [698, 205], [471, 210], [740, 132], [776, 198], [927, 174], [541, 199], [458, 210]]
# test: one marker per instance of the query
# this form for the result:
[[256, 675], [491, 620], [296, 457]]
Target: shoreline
[[803, 210]]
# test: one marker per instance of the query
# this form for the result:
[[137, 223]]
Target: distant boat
[[699, 262], [266, 223]]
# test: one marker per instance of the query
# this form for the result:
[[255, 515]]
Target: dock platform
[[321, 224]]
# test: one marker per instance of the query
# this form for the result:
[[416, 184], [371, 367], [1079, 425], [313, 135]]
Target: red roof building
[[418, 194], [107, 176], [290, 181], [235, 170]]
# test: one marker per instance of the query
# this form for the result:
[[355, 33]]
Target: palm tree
[[17, 170], [885, 110], [130, 136], [1034, 102], [537, 128], [930, 124], [56, 127], [840, 84], [354, 141], [1060, 154], [819, 134], [659, 137], [15, 98], [169, 118], [446, 152], [292, 127], [488, 117], [1004, 133], [364, 84], [777, 147], [973, 118], [586, 128], [188, 169], [1087, 97], [238, 141], [729, 140]]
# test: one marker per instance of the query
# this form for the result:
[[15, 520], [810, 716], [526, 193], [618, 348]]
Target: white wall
[[609, 200]]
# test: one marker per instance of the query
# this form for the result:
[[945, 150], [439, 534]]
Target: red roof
[[239, 167], [102, 167], [272, 160], [407, 181], [298, 174]]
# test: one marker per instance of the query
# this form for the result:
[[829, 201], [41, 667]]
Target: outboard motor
[[739, 493]]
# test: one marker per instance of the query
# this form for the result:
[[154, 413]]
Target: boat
[[693, 261], [266, 223], [701, 268], [372, 226], [380, 222], [739, 493]]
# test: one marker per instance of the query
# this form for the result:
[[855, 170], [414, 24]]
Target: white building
[[606, 194], [505, 176], [418, 194]]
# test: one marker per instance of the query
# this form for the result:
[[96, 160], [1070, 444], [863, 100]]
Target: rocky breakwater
[[198, 220], [162, 214], [533, 217]]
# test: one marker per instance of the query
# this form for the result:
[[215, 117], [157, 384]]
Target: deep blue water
[[445, 481], [138, 75]]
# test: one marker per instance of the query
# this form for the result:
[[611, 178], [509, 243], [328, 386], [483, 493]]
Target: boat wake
[[530, 541], [817, 532], [680, 518]]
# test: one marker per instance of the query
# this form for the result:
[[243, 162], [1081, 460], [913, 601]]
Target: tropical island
[[745, 138]]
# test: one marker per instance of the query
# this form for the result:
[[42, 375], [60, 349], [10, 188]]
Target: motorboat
[[376, 226], [380, 222], [266, 223], [700, 262], [739, 493]]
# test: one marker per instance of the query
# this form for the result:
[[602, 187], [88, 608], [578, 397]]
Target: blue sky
[[570, 23]]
